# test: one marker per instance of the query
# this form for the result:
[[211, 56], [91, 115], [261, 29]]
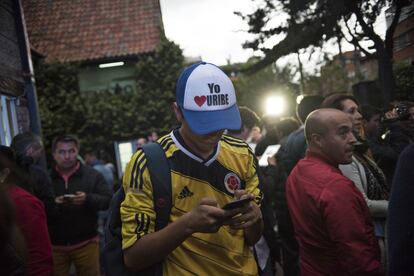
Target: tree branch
[[355, 41], [357, 34], [389, 35], [298, 36], [368, 30]]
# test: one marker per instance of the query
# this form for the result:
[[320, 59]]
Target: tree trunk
[[386, 76], [302, 77]]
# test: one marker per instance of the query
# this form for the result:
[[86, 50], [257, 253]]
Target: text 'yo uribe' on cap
[[207, 99]]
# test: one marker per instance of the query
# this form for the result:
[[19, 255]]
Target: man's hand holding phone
[[237, 203], [248, 211], [79, 198], [76, 199], [68, 197], [64, 199]]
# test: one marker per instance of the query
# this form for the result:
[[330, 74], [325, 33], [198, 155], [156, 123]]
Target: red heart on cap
[[200, 100]]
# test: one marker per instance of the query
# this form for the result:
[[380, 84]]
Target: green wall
[[114, 79]]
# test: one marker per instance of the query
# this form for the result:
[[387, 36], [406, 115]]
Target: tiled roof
[[80, 30]]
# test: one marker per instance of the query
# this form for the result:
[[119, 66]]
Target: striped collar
[[179, 142]]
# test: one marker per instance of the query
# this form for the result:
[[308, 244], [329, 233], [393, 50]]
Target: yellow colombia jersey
[[232, 166]]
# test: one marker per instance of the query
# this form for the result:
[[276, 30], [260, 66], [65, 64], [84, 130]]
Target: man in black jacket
[[80, 193], [286, 159], [29, 150], [401, 217], [269, 241]]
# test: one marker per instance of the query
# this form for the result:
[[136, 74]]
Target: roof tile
[[80, 30]]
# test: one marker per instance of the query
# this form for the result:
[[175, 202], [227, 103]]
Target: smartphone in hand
[[237, 203], [68, 197]]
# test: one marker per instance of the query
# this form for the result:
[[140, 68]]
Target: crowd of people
[[334, 200]]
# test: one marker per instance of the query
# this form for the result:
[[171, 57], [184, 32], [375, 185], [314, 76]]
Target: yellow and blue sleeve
[[137, 209]]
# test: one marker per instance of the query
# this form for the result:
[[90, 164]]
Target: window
[[123, 152], [401, 42], [9, 127]]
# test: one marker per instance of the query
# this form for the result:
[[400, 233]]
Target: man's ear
[[54, 154], [317, 139], [177, 111]]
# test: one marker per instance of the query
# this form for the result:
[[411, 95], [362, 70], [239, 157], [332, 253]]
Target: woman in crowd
[[29, 214], [12, 247], [363, 170], [29, 149]]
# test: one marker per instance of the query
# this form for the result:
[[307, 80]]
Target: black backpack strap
[[159, 170], [160, 174], [112, 255], [113, 223]]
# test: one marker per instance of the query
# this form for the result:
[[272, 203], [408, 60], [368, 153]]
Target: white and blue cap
[[207, 99]]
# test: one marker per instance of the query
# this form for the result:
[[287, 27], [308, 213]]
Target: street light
[[275, 105]]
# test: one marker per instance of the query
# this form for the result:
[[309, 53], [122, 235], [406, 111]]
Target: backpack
[[112, 254]]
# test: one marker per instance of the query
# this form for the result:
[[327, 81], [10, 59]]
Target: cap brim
[[205, 122]]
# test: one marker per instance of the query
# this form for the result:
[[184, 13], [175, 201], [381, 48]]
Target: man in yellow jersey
[[208, 170]]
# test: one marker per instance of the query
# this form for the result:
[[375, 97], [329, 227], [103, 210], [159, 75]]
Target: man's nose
[[352, 138]]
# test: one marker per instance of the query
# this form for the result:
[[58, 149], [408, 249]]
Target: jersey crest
[[232, 182]]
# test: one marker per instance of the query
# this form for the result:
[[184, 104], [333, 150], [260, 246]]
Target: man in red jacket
[[331, 219]]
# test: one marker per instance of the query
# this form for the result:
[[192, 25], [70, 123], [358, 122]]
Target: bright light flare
[[275, 105], [112, 64]]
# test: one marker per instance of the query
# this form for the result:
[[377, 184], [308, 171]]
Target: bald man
[[331, 219]]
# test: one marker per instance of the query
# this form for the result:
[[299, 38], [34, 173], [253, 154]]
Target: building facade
[[403, 35], [18, 102], [105, 37]]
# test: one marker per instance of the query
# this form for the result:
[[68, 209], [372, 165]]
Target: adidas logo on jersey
[[185, 192]]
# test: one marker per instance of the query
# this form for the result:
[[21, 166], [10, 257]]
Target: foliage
[[156, 78], [331, 79], [303, 27], [312, 23], [100, 118], [60, 105]]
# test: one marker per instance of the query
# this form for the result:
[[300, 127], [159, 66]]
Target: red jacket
[[31, 219], [332, 222]]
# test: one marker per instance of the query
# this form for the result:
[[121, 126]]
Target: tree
[[157, 75], [100, 118], [333, 76], [60, 105], [312, 23], [404, 76], [252, 90]]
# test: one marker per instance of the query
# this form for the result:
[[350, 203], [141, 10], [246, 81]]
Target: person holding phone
[[208, 171], [80, 193]]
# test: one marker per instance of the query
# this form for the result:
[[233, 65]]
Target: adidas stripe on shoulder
[[234, 141], [136, 169]]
